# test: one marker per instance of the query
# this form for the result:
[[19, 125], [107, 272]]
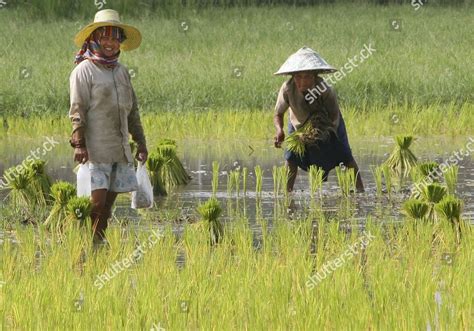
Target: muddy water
[[198, 157]]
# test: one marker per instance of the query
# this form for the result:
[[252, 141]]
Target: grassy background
[[424, 63]]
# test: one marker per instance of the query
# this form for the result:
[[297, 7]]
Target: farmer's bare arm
[[281, 107]]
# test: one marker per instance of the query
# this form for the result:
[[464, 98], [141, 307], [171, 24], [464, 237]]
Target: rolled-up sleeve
[[282, 103], [79, 90], [135, 127]]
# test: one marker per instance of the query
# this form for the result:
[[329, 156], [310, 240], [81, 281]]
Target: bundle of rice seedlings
[[172, 171], [154, 165], [210, 212], [415, 209], [388, 179], [378, 178], [432, 194], [41, 183], [79, 210], [450, 208], [401, 160], [21, 193], [451, 178], [423, 171], [61, 192], [317, 128]]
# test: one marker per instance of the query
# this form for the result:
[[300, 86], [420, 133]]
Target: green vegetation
[[392, 284], [414, 69]]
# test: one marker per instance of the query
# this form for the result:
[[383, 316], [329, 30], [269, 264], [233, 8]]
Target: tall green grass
[[418, 66]]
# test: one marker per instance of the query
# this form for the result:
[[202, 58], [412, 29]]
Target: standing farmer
[[309, 98], [104, 112]]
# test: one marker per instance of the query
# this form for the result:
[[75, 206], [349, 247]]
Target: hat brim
[[319, 71], [133, 40]]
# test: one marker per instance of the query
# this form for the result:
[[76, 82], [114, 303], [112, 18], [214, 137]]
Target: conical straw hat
[[305, 59], [109, 17]]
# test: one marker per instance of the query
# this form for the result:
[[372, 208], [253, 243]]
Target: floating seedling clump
[[62, 193], [450, 208], [401, 160], [40, 181], [210, 212], [415, 209]]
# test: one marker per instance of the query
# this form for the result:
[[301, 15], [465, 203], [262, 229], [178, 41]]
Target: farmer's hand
[[142, 153], [81, 155], [279, 138]]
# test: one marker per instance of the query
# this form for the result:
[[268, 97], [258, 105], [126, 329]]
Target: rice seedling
[[451, 178], [210, 212], [378, 179], [316, 175], [346, 179], [258, 180], [415, 209], [402, 159], [79, 211], [172, 170], [154, 165], [276, 180], [245, 172], [283, 179], [450, 208], [236, 179], [215, 177], [230, 183], [387, 175], [294, 141], [61, 192]]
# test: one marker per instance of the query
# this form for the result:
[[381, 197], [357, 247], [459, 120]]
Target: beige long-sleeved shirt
[[302, 106], [104, 103]]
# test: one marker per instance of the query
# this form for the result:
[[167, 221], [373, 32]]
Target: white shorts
[[113, 177]]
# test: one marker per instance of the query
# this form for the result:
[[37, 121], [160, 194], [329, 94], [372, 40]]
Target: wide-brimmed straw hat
[[305, 59], [110, 17]]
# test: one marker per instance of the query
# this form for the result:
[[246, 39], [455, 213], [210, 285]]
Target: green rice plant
[[283, 179], [276, 180], [215, 177], [230, 183], [41, 183], [450, 208], [172, 170], [258, 180], [415, 209], [346, 179], [61, 192], [378, 179], [236, 175], [79, 211], [387, 175], [210, 212], [451, 178], [154, 164], [402, 159], [316, 175], [245, 172]]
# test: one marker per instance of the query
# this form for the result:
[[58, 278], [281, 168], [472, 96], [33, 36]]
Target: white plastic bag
[[143, 196], [84, 181]]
